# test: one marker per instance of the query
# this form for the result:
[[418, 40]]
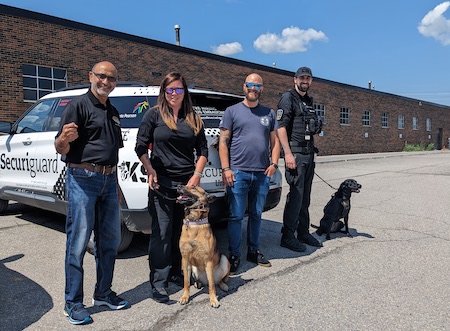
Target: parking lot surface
[[392, 275]]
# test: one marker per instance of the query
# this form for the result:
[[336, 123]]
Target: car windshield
[[133, 108]]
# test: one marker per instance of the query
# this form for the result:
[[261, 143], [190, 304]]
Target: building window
[[401, 121], [384, 120], [366, 118], [428, 124], [415, 123], [344, 116], [320, 110], [39, 81]]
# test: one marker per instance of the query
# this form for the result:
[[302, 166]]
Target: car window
[[132, 109], [54, 121], [36, 118], [211, 107]]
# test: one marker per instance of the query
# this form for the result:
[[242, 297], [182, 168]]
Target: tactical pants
[[296, 213]]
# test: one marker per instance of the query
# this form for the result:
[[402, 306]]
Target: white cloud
[[228, 49], [292, 40], [435, 25]]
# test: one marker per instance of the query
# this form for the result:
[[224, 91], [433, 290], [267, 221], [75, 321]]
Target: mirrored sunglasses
[[256, 86], [177, 90]]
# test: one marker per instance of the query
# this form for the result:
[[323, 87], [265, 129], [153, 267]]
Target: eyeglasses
[[256, 86], [177, 90], [112, 79]]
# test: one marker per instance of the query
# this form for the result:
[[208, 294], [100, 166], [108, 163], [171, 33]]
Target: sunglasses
[[256, 86], [112, 79], [177, 90]]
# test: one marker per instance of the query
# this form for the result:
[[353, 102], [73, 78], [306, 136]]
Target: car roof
[[121, 91]]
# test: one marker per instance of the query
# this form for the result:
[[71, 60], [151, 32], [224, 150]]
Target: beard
[[250, 97], [302, 87], [102, 90]]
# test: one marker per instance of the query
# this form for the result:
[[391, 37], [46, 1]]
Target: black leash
[[323, 180], [162, 195]]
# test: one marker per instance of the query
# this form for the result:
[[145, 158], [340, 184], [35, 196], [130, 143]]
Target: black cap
[[303, 71]]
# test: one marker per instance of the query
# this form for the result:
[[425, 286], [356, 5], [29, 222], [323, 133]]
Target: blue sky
[[401, 46]]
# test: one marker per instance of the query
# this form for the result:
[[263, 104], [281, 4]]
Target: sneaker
[[293, 244], [77, 314], [234, 264], [111, 300], [309, 240], [258, 258], [160, 295]]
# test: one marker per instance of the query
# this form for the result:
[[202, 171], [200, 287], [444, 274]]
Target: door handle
[[27, 142]]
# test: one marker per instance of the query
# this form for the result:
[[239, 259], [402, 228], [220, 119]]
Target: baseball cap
[[303, 71]]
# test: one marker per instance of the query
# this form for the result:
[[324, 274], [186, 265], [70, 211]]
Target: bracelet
[[226, 169], [274, 165], [198, 173]]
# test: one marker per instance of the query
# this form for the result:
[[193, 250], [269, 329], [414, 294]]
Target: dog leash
[[323, 180], [162, 195]]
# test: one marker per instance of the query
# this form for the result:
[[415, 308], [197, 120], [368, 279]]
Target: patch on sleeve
[[279, 114]]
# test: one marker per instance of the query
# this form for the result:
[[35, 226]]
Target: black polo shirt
[[99, 133], [172, 150]]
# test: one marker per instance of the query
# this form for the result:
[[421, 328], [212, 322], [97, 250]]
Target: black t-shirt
[[172, 150], [99, 133]]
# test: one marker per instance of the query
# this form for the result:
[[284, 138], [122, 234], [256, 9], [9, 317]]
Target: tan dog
[[198, 246]]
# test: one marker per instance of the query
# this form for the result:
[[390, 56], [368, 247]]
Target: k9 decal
[[132, 171]]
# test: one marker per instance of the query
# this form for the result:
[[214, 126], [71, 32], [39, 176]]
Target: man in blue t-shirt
[[249, 150]]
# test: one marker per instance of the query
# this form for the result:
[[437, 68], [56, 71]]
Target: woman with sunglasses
[[175, 132]]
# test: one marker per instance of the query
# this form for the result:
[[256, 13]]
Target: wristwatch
[[274, 165]]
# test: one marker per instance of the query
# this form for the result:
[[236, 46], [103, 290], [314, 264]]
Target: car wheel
[[3, 205], [125, 239]]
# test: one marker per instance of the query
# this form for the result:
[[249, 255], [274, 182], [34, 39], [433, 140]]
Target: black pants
[[296, 213], [167, 217]]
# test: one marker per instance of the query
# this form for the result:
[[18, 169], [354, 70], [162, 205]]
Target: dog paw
[[198, 284], [223, 286], [183, 300], [214, 303]]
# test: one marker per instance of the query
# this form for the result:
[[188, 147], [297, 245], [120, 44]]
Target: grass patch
[[418, 148]]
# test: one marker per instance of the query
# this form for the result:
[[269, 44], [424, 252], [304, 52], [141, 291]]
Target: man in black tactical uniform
[[297, 123]]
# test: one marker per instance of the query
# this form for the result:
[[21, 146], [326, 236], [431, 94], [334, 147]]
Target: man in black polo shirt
[[89, 139]]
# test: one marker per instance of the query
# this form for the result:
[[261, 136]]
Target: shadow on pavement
[[23, 301]]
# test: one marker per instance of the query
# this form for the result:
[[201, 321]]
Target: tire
[[125, 239], [3, 205]]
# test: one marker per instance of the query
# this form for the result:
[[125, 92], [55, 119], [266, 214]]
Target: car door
[[18, 165]]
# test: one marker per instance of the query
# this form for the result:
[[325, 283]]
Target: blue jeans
[[92, 206], [255, 186]]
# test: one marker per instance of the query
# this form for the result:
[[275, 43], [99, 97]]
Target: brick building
[[41, 53]]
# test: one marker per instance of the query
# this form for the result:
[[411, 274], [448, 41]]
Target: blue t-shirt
[[250, 135]]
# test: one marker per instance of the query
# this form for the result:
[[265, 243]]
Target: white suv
[[32, 173]]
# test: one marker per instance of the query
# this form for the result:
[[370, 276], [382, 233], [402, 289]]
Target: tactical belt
[[301, 147]]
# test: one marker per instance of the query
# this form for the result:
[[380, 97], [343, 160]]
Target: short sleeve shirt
[[250, 130], [99, 133]]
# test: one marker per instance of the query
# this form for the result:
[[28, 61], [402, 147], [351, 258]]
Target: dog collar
[[199, 222]]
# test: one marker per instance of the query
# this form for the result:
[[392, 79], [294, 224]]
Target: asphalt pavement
[[391, 275]]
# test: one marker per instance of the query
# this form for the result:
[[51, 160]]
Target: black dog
[[338, 207]]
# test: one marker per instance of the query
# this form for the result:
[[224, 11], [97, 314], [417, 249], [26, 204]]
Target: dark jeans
[[167, 217], [92, 206], [296, 213]]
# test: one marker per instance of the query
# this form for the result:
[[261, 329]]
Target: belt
[[103, 169], [302, 147]]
